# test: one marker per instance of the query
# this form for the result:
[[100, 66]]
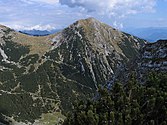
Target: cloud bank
[[36, 27], [44, 14], [118, 8]]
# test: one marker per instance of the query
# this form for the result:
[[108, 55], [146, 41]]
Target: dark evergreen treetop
[[130, 103]]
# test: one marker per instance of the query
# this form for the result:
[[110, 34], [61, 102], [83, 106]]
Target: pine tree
[[125, 104]]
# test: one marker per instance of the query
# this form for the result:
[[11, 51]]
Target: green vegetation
[[14, 51], [51, 119], [30, 59], [20, 106], [130, 103]]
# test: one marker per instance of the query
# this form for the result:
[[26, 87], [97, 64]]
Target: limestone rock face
[[41, 76], [154, 56]]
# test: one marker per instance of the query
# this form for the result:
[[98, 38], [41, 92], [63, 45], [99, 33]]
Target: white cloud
[[117, 25], [119, 8], [36, 27], [23, 14], [41, 1]]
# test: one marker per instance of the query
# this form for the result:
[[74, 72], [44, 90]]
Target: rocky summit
[[40, 77]]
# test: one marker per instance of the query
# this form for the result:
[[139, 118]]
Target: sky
[[58, 14]]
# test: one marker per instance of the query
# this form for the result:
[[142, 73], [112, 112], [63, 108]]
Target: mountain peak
[[86, 22], [90, 19], [99, 35], [3, 27]]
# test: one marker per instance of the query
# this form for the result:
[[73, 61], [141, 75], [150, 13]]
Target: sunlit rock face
[[40, 77], [154, 56]]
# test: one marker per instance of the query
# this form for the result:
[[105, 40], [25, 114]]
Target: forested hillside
[[129, 103]]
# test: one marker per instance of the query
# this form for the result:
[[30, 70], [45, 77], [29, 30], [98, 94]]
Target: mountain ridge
[[35, 32], [68, 65], [151, 34]]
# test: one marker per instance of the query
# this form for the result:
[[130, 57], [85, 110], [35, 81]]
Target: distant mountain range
[[150, 34], [35, 32]]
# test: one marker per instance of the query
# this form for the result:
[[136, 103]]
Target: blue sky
[[50, 14]]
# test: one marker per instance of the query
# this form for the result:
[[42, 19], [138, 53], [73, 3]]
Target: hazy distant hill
[[39, 32], [150, 34]]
